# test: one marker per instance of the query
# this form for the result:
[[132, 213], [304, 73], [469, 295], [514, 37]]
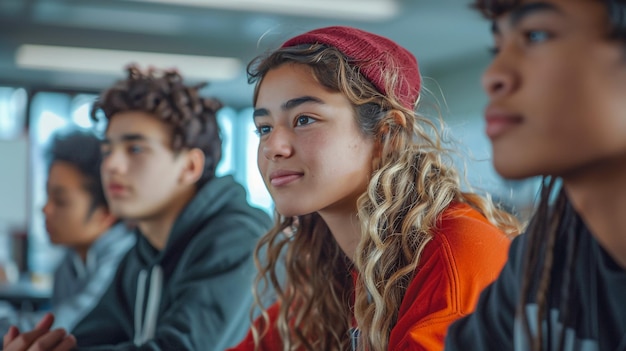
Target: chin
[[54, 241], [117, 211], [290, 211], [515, 173], [121, 211]]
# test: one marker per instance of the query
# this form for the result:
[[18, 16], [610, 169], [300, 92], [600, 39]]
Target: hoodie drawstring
[[145, 324]]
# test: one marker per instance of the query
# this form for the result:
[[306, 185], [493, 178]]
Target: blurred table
[[25, 295]]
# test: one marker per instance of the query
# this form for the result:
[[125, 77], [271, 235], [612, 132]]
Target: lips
[[284, 177], [116, 189], [49, 228], [500, 121]]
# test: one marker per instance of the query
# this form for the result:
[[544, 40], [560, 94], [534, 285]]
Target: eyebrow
[[521, 12], [126, 137], [289, 105], [56, 189]]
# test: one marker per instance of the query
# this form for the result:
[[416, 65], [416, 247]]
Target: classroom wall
[[13, 182], [13, 197]]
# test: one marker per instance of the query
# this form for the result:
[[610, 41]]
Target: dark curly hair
[[190, 117], [82, 151], [554, 215], [616, 9]]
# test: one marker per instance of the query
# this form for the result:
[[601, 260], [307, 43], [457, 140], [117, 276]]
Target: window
[[12, 112], [257, 192]]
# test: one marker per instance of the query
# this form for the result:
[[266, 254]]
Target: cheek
[[604, 129], [352, 158], [319, 144], [558, 100], [69, 220], [261, 161], [605, 103], [143, 171], [262, 165], [318, 158], [587, 111]]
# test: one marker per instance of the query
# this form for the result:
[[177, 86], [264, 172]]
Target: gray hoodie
[[195, 294], [78, 285]]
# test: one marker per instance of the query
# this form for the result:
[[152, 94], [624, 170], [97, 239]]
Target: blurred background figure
[[186, 284], [78, 219]]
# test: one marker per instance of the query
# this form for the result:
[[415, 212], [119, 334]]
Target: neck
[[599, 196], [82, 253], [346, 230], [157, 228], [83, 250]]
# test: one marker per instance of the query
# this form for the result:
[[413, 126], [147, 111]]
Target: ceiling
[[441, 33]]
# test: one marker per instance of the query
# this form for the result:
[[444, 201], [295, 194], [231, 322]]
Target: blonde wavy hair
[[410, 187]]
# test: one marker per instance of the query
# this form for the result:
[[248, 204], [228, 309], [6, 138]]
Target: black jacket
[[597, 303]]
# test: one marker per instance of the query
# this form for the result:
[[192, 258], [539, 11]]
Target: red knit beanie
[[372, 54]]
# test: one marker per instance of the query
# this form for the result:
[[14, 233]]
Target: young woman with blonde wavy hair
[[384, 250]]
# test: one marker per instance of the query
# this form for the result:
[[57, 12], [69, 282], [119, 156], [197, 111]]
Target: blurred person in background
[[78, 218], [557, 109], [186, 285]]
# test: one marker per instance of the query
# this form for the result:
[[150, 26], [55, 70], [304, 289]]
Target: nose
[[500, 78], [46, 208], [277, 144], [114, 163]]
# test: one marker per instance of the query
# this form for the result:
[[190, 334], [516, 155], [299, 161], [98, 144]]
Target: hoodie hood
[[219, 199], [217, 196]]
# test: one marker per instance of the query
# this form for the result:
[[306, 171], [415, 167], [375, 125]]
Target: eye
[[58, 202], [262, 130], [105, 151], [537, 36], [135, 149], [304, 120]]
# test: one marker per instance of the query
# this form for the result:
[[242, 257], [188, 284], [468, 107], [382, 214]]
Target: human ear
[[398, 118], [193, 166], [391, 123], [391, 136]]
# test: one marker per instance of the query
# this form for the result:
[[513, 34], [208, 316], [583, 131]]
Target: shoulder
[[227, 208], [223, 241], [467, 236], [465, 255], [471, 250], [65, 266]]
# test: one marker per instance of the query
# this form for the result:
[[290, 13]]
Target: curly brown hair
[[162, 94]]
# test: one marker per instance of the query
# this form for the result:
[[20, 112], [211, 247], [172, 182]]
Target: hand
[[39, 339]]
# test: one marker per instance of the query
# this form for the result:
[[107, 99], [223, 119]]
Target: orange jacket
[[465, 255]]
